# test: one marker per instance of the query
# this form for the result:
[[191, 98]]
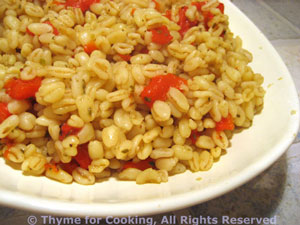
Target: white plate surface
[[252, 151]]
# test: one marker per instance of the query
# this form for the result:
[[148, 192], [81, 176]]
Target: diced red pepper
[[194, 136], [184, 23], [29, 32], [132, 11], [55, 31], [67, 130], [82, 157], [157, 6], [125, 57], [84, 5], [8, 144], [225, 124], [168, 14], [69, 167], [161, 35], [90, 47], [206, 14], [4, 113], [141, 165], [159, 86], [199, 5], [221, 7], [50, 166], [5, 155], [223, 34], [57, 3], [144, 50], [22, 89]]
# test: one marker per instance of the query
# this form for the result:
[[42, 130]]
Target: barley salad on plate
[[135, 89]]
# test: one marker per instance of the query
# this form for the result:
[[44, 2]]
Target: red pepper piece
[[157, 6], [82, 157], [9, 144], [223, 34], [67, 130], [159, 86], [69, 167], [225, 124], [84, 5], [90, 47], [184, 22], [55, 31], [5, 155], [161, 35], [29, 32], [141, 165], [199, 5], [144, 50], [221, 7], [132, 11], [168, 14], [57, 3], [206, 14], [4, 113], [125, 57], [51, 166], [22, 89]]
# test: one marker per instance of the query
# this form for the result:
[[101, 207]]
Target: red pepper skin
[[141, 165], [208, 16], [5, 154], [159, 86], [225, 124], [51, 166], [125, 57], [90, 47], [157, 6], [82, 157], [67, 130], [221, 7], [144, 50], [168, 14], [161, 35], [84, 5], [132, 11], [55, 31], [29, 32], [9, 144], [69, 167], [199, 5], [22, 89], [4, 113]]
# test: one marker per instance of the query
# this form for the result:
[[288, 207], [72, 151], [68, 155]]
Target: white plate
[[252, 151]]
